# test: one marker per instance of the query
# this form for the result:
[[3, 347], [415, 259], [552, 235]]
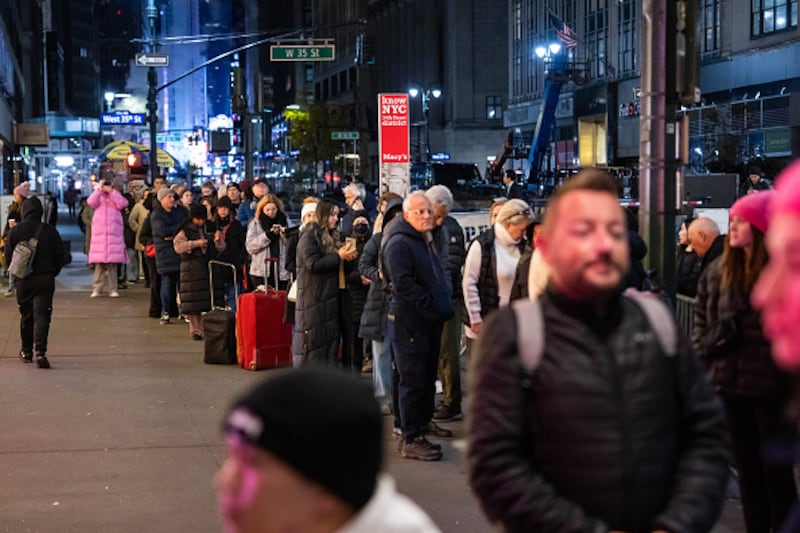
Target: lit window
[[494, 107], [769, 16]]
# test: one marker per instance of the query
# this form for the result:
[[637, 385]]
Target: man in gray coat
[[613, 425]]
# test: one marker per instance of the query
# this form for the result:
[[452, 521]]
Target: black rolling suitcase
[[219, 325]]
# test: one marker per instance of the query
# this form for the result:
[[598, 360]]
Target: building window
[[773, 15], [494, 107], [709, 27], [595, 23], [627, 36]]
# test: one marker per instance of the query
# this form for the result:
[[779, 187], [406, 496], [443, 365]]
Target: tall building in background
[[118, 22]]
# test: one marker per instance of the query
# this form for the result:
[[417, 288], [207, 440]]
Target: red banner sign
[[393, 142]]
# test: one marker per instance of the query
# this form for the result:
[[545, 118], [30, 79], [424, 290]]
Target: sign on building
[[393, 143]]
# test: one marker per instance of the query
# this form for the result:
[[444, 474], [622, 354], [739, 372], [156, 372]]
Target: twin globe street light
[[426, 94]]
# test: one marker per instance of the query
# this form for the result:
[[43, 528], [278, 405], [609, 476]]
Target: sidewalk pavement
[[122, 433]]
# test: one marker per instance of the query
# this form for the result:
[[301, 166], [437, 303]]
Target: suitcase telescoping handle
[[211, 280], [275, 269]]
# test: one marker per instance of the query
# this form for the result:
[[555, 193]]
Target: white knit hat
[[308, 208]]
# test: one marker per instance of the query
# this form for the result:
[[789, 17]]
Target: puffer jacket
[[195, 294], [373, 319], [165, 226], [456, 253], [610, 434], [748, 369], [420, 290], [317, 320], [107, 244]]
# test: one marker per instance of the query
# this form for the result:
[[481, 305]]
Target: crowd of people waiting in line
[[400, 276]]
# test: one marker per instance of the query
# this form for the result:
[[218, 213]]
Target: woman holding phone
[[266, 239], [322, 305]]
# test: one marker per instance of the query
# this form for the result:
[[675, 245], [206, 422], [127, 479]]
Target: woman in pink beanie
[[729, 337]]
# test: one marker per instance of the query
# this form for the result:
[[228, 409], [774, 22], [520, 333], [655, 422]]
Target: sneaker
[[446, 412], [9, 292], [113, 294], [95, 294], [26, 357], [432, 428], [386, 409], [197, 337], [164, 319], [366, 368], [42, 362], [420, 449]]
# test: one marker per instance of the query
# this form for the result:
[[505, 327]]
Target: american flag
[[564, 32]]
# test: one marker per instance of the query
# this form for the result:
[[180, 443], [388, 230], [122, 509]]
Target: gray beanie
[[162, 193]]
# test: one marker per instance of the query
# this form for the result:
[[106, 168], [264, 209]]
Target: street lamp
[[550, 55], [426, 94]]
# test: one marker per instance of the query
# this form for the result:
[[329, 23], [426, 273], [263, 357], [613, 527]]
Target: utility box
[[219, 142]]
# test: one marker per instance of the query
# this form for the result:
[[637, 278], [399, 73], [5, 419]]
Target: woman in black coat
[[191, 244], [729, 337], [322, 263], [228, 237], [357, 288]]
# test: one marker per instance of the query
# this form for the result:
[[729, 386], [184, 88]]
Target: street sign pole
[[152, 103]]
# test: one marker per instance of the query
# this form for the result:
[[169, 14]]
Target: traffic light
[[267, 93], [369, 50], [238, 140]]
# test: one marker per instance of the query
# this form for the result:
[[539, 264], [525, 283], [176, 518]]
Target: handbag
[[150, 250], [292, 294], [720, 337]]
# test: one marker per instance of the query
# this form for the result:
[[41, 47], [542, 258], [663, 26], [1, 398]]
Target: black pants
[[35, 300], [155, 287], [416, 355], [767, 490]]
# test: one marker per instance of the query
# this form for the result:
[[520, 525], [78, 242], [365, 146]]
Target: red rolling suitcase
[[262, 339]]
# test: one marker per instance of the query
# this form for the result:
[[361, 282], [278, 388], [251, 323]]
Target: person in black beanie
[[228, 248], [278, 476], [191, 243]]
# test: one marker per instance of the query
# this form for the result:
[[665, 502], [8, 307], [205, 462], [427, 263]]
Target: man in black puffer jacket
[[35, 291], [611, 431]]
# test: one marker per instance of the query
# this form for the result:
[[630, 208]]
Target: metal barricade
[[684, 313]]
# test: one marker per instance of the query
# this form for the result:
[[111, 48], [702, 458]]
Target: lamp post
[[550, 55], [426, 95]]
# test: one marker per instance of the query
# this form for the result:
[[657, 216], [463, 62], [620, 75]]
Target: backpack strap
[[660, 318], [530, 333]]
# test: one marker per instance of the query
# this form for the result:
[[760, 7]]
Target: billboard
[[393, 143]]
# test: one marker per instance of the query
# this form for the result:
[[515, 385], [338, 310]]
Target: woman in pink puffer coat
[[107, 248]]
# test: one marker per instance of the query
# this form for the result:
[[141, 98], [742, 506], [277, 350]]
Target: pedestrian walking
[[421, 302], [35, 291], [107, 246], [609, 424], [276, 477]]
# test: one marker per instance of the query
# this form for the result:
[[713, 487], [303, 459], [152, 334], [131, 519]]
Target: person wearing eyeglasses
[[491, 265], [420, 305]]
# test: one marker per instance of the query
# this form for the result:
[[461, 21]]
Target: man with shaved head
[[707, 242]]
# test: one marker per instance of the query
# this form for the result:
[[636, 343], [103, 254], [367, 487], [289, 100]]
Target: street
[[122, 434]]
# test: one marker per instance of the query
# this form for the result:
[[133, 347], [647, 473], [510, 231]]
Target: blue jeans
[[382, 369], [169, 287]]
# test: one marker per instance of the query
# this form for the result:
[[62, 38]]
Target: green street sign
[[325, 52], [168, 138], [344, 135]]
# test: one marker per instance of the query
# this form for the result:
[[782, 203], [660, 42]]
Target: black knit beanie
[[326, 426]]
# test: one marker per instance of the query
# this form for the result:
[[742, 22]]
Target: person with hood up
[[107, 247], [13, 217], [191, 244], [229, 248], [35, 291]]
